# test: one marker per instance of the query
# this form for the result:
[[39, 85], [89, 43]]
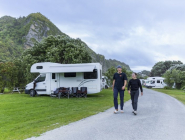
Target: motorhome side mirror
[[95, 70]]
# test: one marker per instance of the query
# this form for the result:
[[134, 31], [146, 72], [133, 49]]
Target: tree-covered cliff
[[18, 34]]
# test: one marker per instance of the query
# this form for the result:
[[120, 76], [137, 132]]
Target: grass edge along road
[[178, 94], [22, 116]]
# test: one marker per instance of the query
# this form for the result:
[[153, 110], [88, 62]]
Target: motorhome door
[[153, 83], [41, 84], [54, 81], [158, 84]]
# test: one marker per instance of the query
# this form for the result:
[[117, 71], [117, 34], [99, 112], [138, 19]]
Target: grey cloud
[[112, 27]]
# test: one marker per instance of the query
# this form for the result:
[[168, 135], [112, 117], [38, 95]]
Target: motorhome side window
[[53, 76], [73, 74], [158, 81], [91, 75], [41, 78]]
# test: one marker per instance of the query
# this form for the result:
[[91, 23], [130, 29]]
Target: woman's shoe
[[135, 112], [115, 112]]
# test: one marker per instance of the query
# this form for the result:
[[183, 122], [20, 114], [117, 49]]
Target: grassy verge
[[178, 94], [22, 116]]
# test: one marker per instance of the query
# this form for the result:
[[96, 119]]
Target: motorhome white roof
[[47, 67], [155, 78]]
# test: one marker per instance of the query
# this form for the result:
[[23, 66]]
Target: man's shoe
[[121, 111], [135, 112], [115, 112]]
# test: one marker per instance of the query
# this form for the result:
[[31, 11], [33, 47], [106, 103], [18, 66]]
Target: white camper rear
[[55, 75]]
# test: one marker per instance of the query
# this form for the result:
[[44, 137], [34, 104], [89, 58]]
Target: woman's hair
[[134, 73]]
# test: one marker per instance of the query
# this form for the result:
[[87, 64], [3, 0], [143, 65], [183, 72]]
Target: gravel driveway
[[160, 117]]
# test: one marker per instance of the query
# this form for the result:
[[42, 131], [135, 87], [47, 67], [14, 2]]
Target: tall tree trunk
[[2, 89]]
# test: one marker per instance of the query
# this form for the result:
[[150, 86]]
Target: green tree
[[178, 67], [109, 75], [127, 72], [21, 72], [175, 76], [168, 78], [58, 49], [161, 67], [8, 75], [179, 78], [143, 74]]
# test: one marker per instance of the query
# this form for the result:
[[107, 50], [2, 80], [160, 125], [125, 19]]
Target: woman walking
[[134, 84]]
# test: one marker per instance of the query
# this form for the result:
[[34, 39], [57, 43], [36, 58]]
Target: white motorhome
[[104, 82], [155, 82], [55, 75]]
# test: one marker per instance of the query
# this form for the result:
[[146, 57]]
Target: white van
[[55, 75], [155, 82]]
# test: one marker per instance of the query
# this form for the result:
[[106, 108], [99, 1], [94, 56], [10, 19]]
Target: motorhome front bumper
[[27, 91]]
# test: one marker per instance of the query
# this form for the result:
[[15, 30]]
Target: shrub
[[183, 88], [167, 87]]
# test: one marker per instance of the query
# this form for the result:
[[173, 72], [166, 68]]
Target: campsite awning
[[63, 69]]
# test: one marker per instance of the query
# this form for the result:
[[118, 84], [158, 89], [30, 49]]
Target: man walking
[[119, 84]]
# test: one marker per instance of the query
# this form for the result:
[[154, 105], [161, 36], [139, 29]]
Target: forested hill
[[21, 33], [17, 34]]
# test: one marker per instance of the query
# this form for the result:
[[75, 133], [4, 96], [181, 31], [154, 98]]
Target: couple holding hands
[[119, 84]]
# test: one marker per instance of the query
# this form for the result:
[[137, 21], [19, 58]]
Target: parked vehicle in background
[[55, 75], [104, 83], [145, 82], [155, 82], [142, 81]]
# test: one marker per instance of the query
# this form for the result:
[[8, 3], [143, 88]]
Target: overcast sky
[[137, 32]]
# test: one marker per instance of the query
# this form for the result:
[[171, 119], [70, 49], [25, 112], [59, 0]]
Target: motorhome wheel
[[32, 93]]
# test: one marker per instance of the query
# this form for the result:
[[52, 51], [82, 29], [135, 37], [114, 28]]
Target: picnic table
[[18, 89]]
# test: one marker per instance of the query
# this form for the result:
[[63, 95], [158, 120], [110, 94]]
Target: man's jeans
[[134, 97], [121, 92]]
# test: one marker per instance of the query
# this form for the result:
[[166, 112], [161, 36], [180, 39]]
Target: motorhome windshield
[[41, 78], [152, 82], [103, 80]]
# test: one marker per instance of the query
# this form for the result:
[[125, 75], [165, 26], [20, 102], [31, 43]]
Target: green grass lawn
[[178, 94], [22, 116]]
